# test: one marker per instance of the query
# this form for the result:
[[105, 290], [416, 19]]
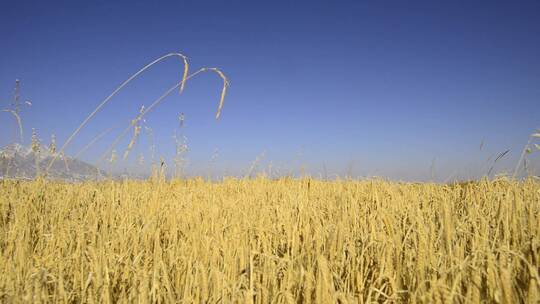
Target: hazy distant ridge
[[18, 161]]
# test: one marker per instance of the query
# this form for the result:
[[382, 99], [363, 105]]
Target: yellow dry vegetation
[[269, 241]]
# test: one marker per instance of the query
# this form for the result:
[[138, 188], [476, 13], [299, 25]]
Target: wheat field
[[269, 241]]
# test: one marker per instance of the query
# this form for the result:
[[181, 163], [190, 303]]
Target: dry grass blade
[[19, 123], [106, 100], [223, 90], [161, 98], [526, 150], [500, 156], [184, 76], [140, 116], [93, 141], [65, 162], [136, 133]]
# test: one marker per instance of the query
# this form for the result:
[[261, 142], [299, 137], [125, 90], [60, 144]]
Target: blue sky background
[[399, 89]]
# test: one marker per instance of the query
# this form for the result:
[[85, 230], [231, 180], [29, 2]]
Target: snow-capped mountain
[[18, 161], [25, 151]]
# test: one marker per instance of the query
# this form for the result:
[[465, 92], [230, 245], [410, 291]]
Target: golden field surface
[[269, 241]]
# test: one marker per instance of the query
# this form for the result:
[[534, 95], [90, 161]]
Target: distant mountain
[[18, 161]]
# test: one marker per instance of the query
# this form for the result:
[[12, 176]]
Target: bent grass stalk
[[150, 134], [136, 132], [134, 137], [106, 100], [36, 150], [65, 161], [500, 156], [525, 151], [19, 122], [93, 141], [162, 97]]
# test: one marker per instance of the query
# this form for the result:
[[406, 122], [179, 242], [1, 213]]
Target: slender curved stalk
[[522, 156], [223, 91], [93, 141], [72, 136], [162, 97], [19, 123], [501, 155]]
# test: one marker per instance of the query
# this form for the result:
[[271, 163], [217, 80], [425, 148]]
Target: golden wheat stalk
[[271, 241]]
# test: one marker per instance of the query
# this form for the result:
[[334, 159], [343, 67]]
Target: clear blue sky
[[386, 88]]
